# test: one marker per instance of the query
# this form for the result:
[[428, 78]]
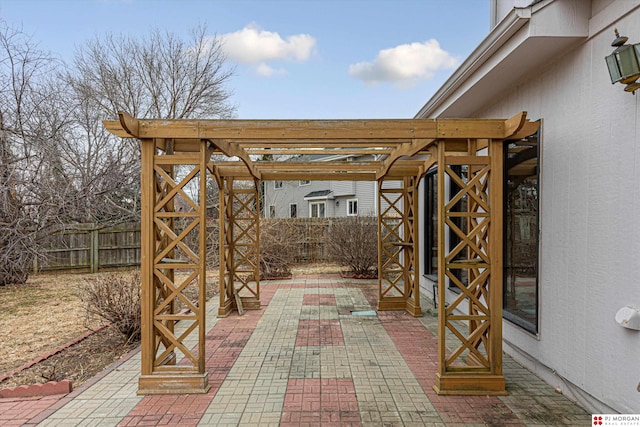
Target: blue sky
[[296, 59]]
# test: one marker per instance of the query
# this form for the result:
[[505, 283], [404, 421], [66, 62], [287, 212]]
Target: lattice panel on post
[[468, 323], [176, 261], [397, 246], [239, 246]]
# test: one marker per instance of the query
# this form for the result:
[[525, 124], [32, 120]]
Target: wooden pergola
[[176, 159]]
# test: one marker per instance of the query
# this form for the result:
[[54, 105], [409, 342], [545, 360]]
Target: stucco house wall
[[589, 253]]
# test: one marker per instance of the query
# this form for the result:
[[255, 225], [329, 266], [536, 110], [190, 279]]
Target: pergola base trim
[[227, 308], [464, 384], [400, 303], [170, 383], [248, 303]]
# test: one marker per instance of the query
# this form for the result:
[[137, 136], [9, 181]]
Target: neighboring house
[[572, 193], [320, 199]]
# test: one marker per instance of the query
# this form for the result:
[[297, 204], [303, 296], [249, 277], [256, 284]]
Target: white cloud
[[266, 71], [253, 45], [404, 64]]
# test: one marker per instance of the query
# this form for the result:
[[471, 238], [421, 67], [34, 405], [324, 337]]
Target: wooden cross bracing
[[240, 249], [176, 161]]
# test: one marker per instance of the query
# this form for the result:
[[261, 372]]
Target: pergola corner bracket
[[514, 124], [233, 149], [403, 149], [129, 124]]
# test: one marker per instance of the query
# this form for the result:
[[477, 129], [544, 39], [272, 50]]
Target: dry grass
[[38, 317], [316, 268]]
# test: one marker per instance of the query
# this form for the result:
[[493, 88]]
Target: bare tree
[[159, 76], [57, 163], [28, 129]]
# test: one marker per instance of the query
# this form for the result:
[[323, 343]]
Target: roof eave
[[502, 32], [525, 40]]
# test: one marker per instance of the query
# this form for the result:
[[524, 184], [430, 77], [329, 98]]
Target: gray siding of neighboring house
[[343, 188], [336, 202]]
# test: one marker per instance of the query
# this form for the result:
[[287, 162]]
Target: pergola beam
[[306, 131]]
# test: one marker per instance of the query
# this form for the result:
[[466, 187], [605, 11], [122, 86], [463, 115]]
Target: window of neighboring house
[[277, 185], [272, 211], [304, 182], [521, 227], [431, 225], [293, 210], [317, 209], [352, 207]]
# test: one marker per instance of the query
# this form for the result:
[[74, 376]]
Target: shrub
[[353, 242], [277, 248], [115, 298]]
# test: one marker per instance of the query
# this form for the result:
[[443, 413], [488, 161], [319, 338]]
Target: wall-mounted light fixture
[[624, 63], [629, 317]]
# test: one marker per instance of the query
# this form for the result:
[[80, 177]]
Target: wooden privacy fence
[[308, 237], [92, 247]]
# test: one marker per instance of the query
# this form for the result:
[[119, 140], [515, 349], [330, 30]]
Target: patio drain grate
[[364, 313]]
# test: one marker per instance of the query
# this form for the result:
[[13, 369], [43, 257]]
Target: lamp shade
[[624, 64], [614, 70], [628, 62]]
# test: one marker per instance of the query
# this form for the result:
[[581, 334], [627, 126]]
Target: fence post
[[94, 257]]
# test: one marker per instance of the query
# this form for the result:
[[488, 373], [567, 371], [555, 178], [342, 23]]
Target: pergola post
[[472, 263], [239, 246], [398, 264], [173, 270]]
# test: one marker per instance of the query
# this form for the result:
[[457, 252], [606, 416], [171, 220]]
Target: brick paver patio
[[315, 354]]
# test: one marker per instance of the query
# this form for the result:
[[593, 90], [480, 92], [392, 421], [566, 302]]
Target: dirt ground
[[43, 315], [46, 313]]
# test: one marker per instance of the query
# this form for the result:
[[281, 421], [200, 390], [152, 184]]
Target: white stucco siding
[[590, 219]]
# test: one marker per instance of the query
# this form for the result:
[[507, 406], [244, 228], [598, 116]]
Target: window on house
[[352, 207], [431, 225], [277, 184], [521, 225], [272, 211], [304, 182], [460, 222], [293, 210], [317, 209]]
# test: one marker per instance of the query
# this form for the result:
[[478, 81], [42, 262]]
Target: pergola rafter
[[467, 153]]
